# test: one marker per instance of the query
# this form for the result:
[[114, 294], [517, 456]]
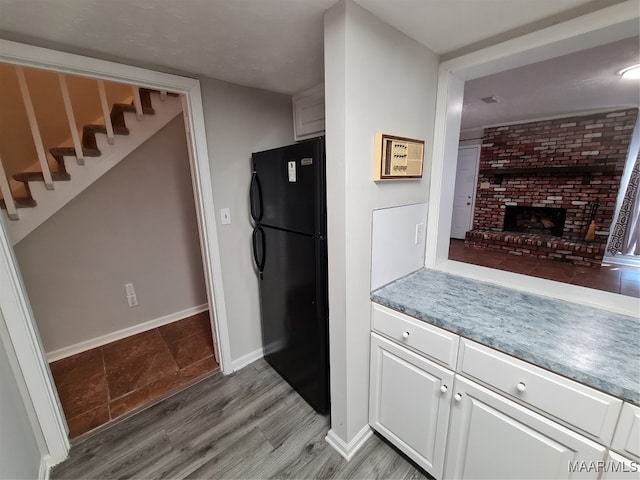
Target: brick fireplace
[[569, 167]]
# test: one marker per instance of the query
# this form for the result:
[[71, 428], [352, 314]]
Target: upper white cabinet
[[492, 437], [308, 113]]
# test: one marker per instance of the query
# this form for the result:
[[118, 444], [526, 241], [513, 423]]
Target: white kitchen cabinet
[[308, 113], [494, 438], [410, 399], [618, 467], [587, 411], [626, 440]]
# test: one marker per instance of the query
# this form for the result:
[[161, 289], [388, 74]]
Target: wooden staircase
[[93, 135]]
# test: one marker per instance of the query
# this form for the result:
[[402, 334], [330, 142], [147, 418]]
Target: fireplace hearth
[[537, 220]]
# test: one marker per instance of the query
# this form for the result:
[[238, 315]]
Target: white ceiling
[[578, 82], [277, 45], [272, 44]]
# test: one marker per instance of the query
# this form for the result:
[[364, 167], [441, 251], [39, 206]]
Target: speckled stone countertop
[[592, 346]]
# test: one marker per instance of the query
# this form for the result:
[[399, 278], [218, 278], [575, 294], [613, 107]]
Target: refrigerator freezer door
[[293, 293], [288, 189]]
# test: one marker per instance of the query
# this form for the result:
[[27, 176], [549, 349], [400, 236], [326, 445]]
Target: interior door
[[464, 193]]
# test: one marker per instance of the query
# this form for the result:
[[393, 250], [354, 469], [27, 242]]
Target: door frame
[[477, 147], [23, 338], [593, 29]]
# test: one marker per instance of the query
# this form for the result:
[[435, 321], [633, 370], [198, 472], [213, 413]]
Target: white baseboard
[[45, 468], [348, 450], [245, 360], [124, 333]]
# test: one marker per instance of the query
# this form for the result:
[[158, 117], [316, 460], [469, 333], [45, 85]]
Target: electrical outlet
[[225, 216], [132, 297], [421, 229]]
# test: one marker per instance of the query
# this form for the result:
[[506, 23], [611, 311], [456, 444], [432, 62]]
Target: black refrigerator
[[288, 209]]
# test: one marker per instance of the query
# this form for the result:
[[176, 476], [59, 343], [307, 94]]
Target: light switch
[[225, 216]]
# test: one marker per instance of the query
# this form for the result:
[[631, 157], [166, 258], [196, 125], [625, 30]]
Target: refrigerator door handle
[[258, 232], [255, 198]]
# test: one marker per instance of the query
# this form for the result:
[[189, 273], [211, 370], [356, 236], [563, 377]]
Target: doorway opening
[[22, 332]]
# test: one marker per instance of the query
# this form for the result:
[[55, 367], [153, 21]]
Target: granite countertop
[[595, 347]]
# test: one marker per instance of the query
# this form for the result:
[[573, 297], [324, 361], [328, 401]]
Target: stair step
[[117, 129], [71, 152], [145, 100], [20, 202], [124, 107], [38, 176]]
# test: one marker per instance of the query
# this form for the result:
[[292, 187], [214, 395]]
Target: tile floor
[[611, 278], [102, 384]]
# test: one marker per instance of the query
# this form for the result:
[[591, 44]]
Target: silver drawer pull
[[443, 389], [521, 387], [405, 335]]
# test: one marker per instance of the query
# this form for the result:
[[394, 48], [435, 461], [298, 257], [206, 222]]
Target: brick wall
[[598, 139]]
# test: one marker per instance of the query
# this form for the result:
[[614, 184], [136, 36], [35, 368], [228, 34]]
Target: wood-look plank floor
[[248, 425]]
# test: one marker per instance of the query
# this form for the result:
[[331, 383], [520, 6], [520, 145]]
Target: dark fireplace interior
[[540, 220]]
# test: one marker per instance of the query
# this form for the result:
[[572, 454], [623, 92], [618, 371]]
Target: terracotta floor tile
[[147, 394], [133, 373], [191, 349], [134, 346], [630, 288], [200, 367], [85, 395], [196, 324], [88, 420], [611, 278], [106, 382], [77, 367]]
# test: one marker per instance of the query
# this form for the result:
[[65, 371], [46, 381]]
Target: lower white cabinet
[[410, 399], [491, 437], [618, 467]]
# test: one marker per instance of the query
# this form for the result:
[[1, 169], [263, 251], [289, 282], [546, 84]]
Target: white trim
[[348, 450], [597, 28], [245, 360], [203, 196], [13, 300], [124, 333], [45, 468]]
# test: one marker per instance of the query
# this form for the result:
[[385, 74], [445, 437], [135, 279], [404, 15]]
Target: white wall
[[362, 98], [240, 120], [135, 224], [19, 453]]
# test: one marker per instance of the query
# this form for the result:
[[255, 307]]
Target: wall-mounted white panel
[[397, 243]]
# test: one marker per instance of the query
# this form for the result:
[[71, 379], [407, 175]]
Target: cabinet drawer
[[433, 342], [584, 409], [626, 440]]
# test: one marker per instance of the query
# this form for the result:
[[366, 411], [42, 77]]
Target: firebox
[[540, 220]]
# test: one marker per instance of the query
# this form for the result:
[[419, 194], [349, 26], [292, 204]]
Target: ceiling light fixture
[[630, 72]]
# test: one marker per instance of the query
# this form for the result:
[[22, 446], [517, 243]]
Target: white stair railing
[[105, 112], [35, 131], [137, 102], [7, 195], [64, 89]]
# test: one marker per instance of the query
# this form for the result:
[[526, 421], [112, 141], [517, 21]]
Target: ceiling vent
[[491, 99]]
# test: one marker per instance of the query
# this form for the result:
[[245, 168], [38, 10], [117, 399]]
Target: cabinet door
[[409, 402], [492, 437], [618, 467]]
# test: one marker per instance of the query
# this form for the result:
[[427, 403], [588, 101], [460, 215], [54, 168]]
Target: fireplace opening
[[540, 220]]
